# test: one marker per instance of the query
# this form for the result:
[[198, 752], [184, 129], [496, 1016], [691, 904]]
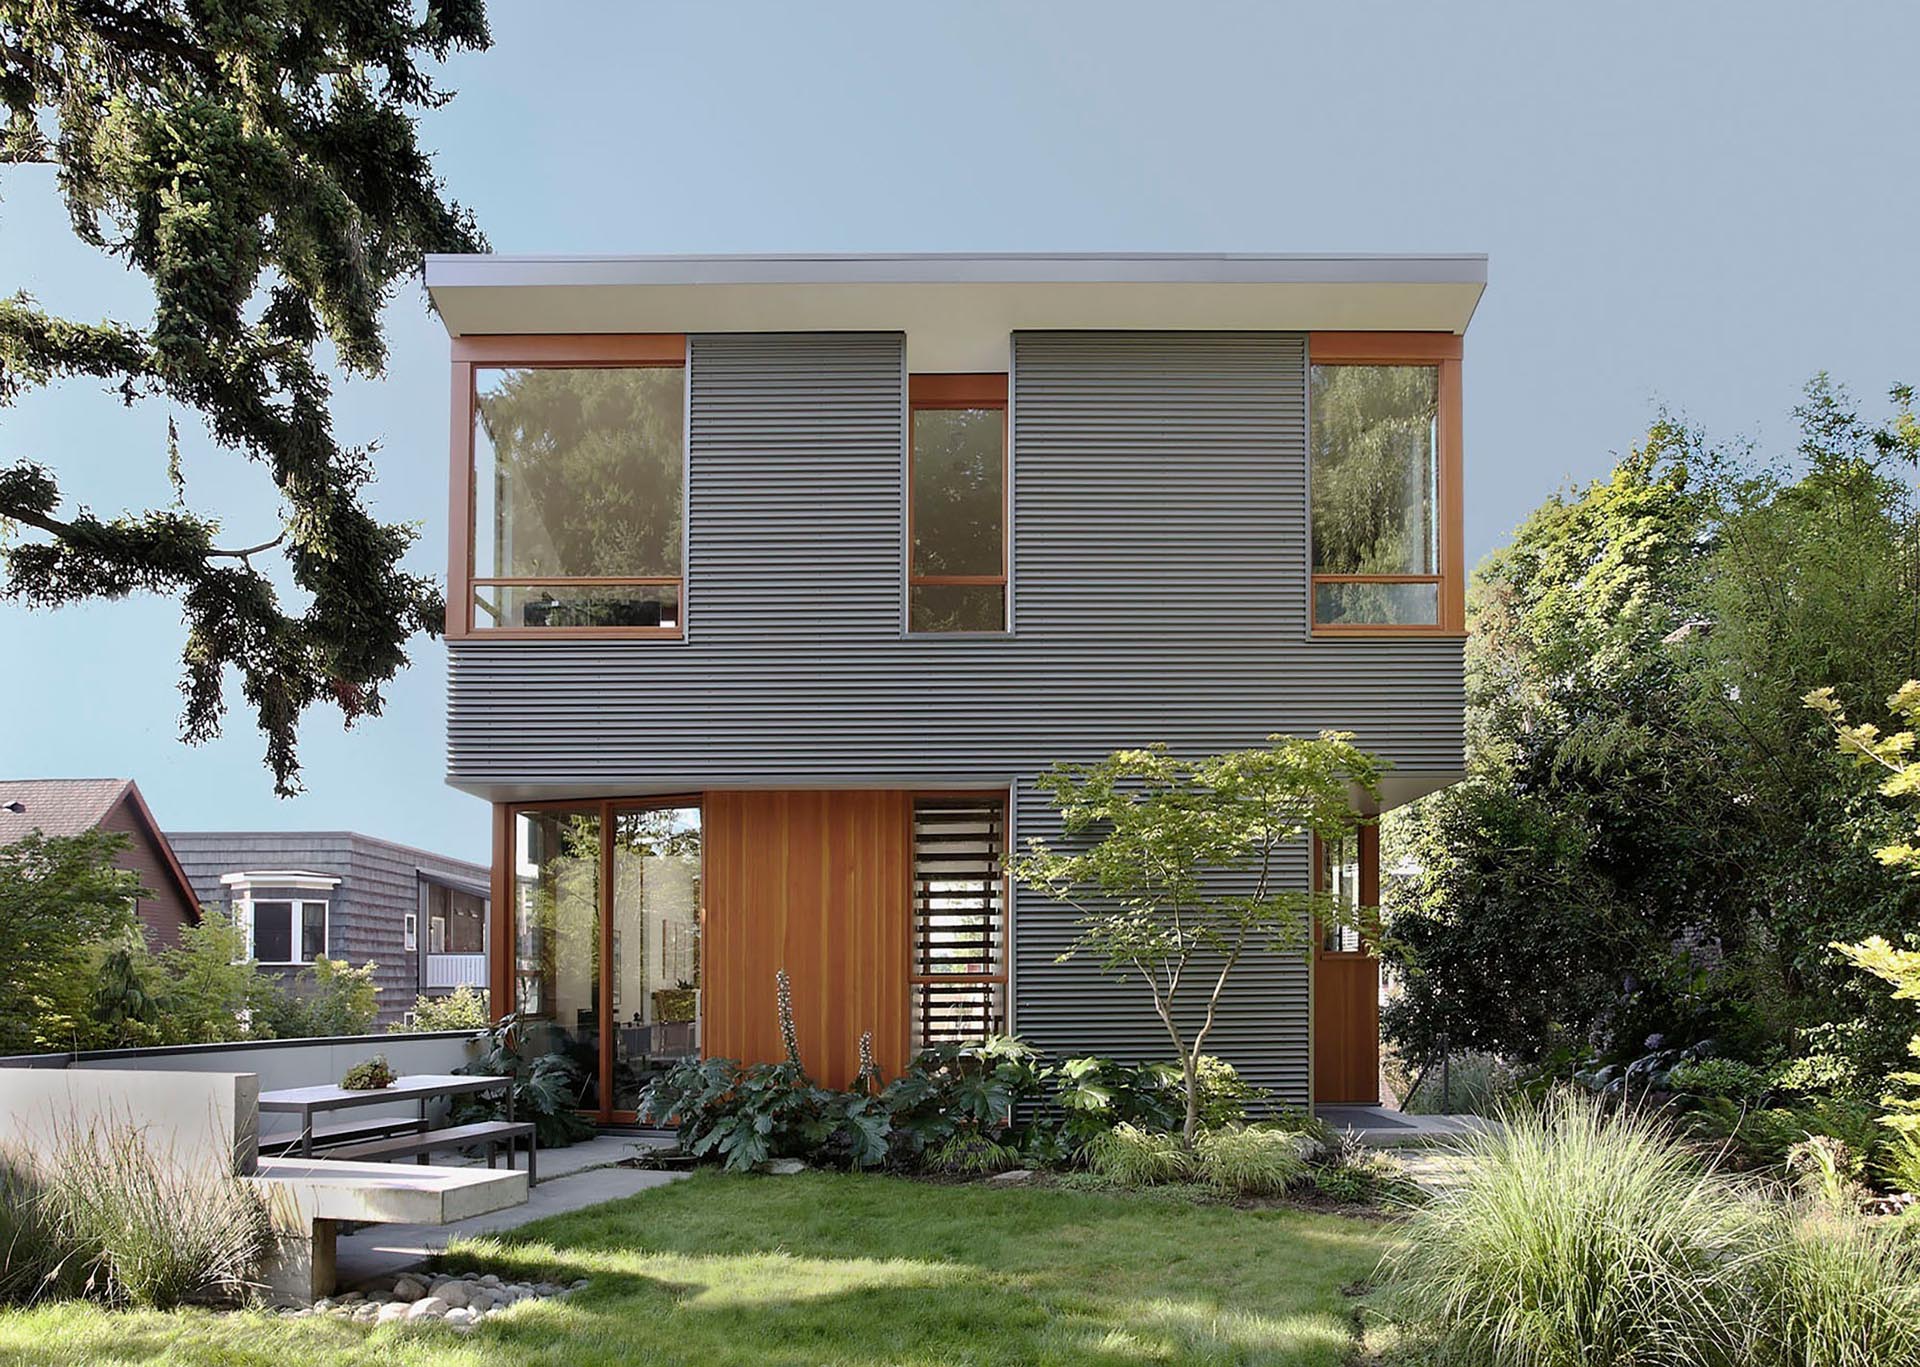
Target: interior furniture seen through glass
[[579, 493], [621, 1027], [1375, 450]]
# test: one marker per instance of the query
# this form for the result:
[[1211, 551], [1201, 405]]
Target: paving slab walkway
[[1381, 1128], [572, 1178]]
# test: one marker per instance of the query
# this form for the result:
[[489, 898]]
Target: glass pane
[[1340, 876], [467, 924], [1397, 605], [958, 498], [1375, 450], [576, 605], [556, 909], [313, 940], [273, 932], [578, 472], [957, 607], [656, 944]]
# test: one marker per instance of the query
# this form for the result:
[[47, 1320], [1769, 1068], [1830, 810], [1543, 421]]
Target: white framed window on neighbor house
[[413, 931], [284, 914]]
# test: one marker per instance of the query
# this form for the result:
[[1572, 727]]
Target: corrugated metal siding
[[1159, 594], [366, 914]]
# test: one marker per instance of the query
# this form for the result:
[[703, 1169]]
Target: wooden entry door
[[1346, 977]]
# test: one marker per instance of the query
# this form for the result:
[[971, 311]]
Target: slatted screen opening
[[959, 919]]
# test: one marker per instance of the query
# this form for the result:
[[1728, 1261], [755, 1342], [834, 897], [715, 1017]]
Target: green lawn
[[826, 1268]]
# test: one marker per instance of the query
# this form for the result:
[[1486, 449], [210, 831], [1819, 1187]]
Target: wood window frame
[[980, 390], [1003, 979], [1443, 351], [503, 949], [547, 351]]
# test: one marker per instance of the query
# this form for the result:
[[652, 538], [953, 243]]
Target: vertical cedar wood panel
[[818, 883], [1346, 1004]]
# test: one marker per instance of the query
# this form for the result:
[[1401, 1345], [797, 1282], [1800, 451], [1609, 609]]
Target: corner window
[[957, 503], [277, 928], [1381, 508], [578, 479]]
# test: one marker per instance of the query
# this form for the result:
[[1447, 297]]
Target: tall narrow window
[[957, 503], [1349, 870], [959, 977], [579, 497], [1376, 478]]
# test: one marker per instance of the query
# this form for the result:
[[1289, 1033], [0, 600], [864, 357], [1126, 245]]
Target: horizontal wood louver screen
[[959, 918]]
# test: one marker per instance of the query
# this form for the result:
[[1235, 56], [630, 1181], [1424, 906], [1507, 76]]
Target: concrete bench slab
[[309, 1199]]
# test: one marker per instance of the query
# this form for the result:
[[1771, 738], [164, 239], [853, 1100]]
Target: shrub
[[1721, 1077], [1134, 1157], [1898, 1161], [1250, 1161], [327, 999], [1827, 1171], [973, 1153], [464, 1008], [1224, 1096], [546, 1089], [950, 1089], [1832, 1290], [150, 1233], [1096, 1094], [1576, 1237], [1350, 1172]]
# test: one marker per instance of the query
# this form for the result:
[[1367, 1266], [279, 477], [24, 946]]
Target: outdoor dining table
[[421, 1087]]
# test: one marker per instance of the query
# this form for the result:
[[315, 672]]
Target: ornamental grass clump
[[35, 1261], [1250, 1160], [146, 1231], [1833, 1290], [1576, 1237], [1134, 1157]]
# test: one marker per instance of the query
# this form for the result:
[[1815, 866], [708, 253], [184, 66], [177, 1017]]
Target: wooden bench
[[345, 1132], [491, 1133]]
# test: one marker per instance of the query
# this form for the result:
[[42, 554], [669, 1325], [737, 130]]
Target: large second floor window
[[579, 498], [1378, 451], [957, 503], [287, 932]]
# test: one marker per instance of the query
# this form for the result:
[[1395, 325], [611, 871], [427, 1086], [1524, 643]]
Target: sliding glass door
[[607, 941]]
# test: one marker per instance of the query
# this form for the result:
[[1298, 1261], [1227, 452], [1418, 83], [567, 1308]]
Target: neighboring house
[[304, 895], [73, 806], [776, 583]]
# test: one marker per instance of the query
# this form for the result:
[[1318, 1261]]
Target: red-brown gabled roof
[[72, 806]]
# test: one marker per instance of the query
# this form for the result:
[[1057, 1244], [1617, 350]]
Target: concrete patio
[[580, 1175], [1382, 1128]]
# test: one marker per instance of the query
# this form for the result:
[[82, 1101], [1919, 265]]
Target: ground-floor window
[[959, 973], [606, 952]]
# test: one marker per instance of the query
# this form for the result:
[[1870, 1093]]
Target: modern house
[[304, 895], [776, 581], [73, 806]]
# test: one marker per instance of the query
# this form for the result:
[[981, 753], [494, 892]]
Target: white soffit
[[957, 311]]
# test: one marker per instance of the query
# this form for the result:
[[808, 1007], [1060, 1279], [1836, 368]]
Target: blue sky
[[1698, 205]]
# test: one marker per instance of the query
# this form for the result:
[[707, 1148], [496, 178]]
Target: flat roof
[[956, 309]]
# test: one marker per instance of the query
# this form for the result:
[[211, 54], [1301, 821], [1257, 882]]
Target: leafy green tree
[[1635, 675], [1179, 868], [212, 986], [259, 166], [329, 997], [61, 899], [464, 1008]]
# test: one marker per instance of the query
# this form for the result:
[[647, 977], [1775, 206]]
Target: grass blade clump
[[1578, 1237], [34, 1260], [1833, 1290], [148, 1231], [1134, 1157], [1250, 1160]]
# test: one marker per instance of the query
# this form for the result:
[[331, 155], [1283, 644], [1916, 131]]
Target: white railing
[[456, 970]]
